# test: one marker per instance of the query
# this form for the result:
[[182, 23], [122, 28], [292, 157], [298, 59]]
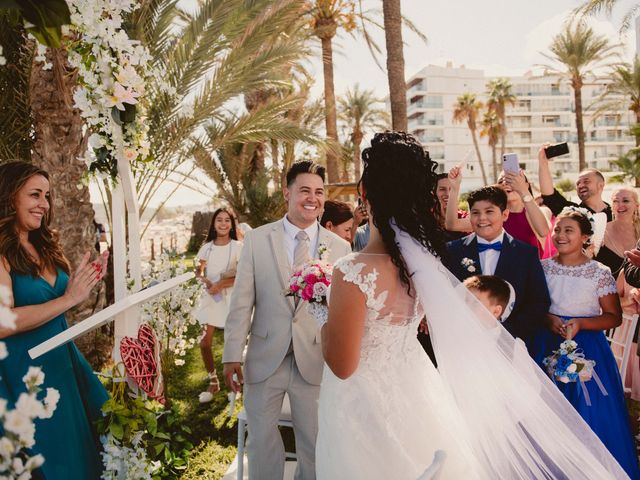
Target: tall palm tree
[[577, 52], [358, 109], [326, 17], [500, 96], [594, 7], [491, 129], [395, 63], [466, 109]]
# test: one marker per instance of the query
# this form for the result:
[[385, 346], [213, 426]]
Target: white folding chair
[[622, 348], [283, 421]]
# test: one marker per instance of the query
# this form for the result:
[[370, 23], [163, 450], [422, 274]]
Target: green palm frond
[[595, 7]]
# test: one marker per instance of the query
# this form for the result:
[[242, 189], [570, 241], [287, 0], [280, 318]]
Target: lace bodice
[[392, 314], [576, 290]]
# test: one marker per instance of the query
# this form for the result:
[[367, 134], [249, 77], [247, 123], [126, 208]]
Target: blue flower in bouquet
[[563, 364]]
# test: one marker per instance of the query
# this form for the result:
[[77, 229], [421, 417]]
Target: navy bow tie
[[482, 247]]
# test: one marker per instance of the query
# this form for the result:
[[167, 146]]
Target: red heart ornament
[[141, 358]]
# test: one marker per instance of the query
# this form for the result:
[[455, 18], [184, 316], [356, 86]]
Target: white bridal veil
[[520, 424]]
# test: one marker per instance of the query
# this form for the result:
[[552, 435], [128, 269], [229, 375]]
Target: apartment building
[[544, 111]]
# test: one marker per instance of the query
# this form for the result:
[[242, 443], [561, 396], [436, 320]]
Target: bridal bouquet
[[567, 364], [311, 284]]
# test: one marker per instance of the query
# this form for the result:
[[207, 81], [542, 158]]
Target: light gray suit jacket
[[263, 274]]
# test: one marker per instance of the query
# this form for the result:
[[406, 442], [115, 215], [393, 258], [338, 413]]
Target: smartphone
[[510, 162], [556, 150]]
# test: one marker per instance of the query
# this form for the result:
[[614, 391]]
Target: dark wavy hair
[[586, 228], [400, 183], [13, 176], [233, 233], [336, 212], [492, 194]]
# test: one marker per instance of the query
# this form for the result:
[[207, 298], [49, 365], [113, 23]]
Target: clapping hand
[[86, 276], [633, 256]]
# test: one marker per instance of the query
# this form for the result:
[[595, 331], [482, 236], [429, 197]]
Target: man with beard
[[589, 186]]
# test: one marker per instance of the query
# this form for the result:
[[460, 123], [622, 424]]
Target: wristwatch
[[527, 198]]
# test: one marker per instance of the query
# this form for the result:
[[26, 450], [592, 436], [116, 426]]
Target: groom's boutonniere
[[323, 251], [469, 265]]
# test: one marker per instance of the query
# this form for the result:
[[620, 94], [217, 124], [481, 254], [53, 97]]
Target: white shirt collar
[[499, 238], [291, 230]]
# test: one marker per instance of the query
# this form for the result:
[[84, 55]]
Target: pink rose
[[310, 279], [307, 293]]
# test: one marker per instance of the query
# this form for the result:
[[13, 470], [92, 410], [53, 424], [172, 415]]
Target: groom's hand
[[228, 370]]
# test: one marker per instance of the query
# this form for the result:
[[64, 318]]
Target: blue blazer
[[519, 265]]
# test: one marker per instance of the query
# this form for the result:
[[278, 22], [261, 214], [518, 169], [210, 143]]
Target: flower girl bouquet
[[311, 284], [567, 364]]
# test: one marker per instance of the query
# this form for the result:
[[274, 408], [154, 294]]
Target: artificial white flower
[[572, 368], [7, 448], [29, 405], [33, 377], [319, 289], [50, 402], [20, 424]]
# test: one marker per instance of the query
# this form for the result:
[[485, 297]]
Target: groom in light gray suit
[[284, 352]]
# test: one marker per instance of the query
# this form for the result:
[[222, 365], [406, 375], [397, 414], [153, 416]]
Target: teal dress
[[67, 440]]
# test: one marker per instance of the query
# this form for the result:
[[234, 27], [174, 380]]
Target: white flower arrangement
[[18, 423], [126, 463], [171, 314], [469, 265], [113, 70], [323, 251]]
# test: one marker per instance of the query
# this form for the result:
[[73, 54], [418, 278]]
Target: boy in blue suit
[[489, 250]]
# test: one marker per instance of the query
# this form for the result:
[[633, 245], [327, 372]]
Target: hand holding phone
[[510, 162], [556, 150]]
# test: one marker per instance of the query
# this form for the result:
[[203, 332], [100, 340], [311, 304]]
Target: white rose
[[572, 368], [471, 268], [319, 289]]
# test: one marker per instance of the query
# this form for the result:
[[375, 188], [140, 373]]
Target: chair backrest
[[621, 342]]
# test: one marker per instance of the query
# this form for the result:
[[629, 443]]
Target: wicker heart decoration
[[141, 362]]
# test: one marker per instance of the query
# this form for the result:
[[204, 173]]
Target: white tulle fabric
[[516, 420]]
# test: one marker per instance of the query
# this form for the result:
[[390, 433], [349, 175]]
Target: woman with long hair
[[384, 409], [33, 266], [218, 260]]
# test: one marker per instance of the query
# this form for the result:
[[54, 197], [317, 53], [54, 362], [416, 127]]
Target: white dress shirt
[[489, 258], [290, 232]]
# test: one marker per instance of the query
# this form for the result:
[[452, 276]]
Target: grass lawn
[[213, 431]]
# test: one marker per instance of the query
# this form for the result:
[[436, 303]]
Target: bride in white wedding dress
[[384, 409]]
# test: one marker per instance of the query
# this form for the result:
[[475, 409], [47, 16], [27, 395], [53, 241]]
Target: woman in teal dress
[[33, 265]]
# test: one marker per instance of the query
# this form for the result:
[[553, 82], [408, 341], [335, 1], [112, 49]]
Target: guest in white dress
[[218, 260]]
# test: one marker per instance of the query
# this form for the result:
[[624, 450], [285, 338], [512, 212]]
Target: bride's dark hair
[[400, 183]]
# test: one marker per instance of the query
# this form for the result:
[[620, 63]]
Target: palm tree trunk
[[356, 138], [477, 148], [494, 162], [503, 141], [395, 64], [330, 118], [577, 91], [59, 141]]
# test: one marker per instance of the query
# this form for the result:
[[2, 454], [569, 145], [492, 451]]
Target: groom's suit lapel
[[276, 238]]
